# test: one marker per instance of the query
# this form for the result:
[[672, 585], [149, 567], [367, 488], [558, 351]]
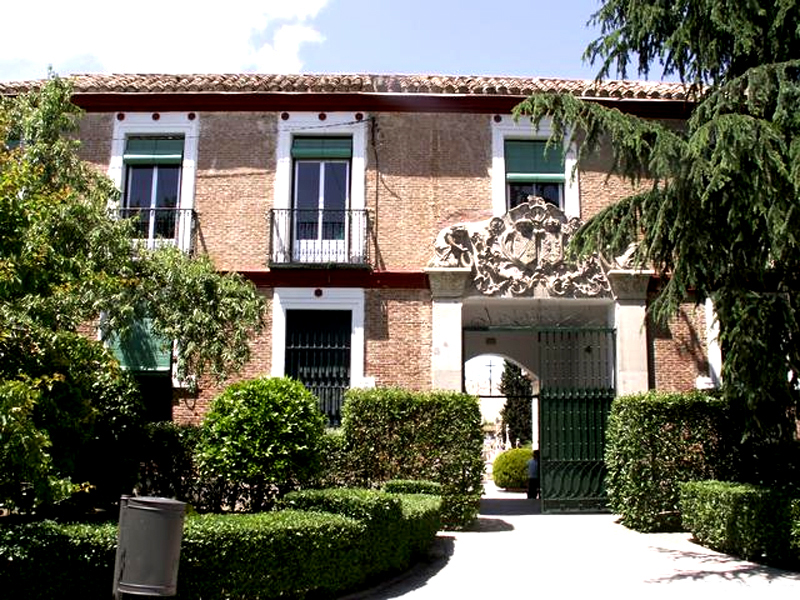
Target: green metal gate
[[318, 354], [576, 375]]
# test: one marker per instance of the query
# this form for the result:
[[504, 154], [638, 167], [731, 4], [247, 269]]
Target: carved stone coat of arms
[[522, 253]]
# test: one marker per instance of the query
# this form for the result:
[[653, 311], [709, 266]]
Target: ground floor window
[[318, 355], [156, 390], [148, 358]]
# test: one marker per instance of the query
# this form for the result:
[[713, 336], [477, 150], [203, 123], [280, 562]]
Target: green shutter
[[527, 160], [153, 151], [322, 147], [143, 350]]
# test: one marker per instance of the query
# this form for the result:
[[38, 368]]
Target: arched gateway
[[504, 286]]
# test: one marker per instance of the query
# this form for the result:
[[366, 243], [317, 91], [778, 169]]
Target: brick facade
[[398, 338], [433, 172], [235, 175], [678, 350], [424, 171]]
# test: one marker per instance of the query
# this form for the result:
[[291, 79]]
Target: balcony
[[319, 237], [155, 227]]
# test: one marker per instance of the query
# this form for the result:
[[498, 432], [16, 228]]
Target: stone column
[[630, 294], [447, 290]]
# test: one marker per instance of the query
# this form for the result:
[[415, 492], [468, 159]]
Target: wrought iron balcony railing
[[156, 227], [312, 236]]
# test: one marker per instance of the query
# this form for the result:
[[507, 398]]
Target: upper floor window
[[153, 186], [153, 164], [321, 187], [532, 169], [524, 165], [319, 214]]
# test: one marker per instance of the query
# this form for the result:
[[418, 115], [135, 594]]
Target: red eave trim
[[372, 102], [319, 278]]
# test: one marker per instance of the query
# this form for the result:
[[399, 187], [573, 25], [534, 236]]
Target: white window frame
[[169, 123], [713, 349], [351, 299], [509, 129], [335, 124]]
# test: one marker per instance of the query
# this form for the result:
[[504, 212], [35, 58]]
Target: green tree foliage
[[516, 413], [65, 262], [262, 438], [715, 211]]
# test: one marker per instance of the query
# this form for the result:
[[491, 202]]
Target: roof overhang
[[341, 101]]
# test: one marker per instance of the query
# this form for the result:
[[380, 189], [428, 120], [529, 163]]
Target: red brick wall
[[434, 172], [234, 187], [678, 351], [398, 338], [95, 133], [597, 189]]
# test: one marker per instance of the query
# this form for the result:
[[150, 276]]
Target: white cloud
[[157, 36], [283, 55]]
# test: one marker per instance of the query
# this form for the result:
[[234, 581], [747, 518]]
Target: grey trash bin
[[148, 546]]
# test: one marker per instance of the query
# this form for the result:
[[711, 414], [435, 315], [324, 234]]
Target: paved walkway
[[514, 551]]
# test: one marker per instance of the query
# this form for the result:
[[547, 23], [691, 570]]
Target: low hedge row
[[755, 523], [343, 539], [45, 559], [266, 555], [399, 527]]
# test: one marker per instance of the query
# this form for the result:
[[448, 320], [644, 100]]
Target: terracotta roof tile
[[359, 83]]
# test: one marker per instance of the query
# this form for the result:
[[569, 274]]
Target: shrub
[[657, 440], [398, 434], [267, 555], [510, 468], [262, 438], [422, 521], [744, 520], [167, 468], [380, 512], [412, 486], [334, 468]]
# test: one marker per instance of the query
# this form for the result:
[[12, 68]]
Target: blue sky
[[454, 37]]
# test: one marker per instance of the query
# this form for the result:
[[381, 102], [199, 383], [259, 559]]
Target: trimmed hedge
[[392, 433], [510, 468], [334, 469], [265, 555], [398, 527], [412, 486], [236, 556], [44, 560], [657, 440], [752, 522]]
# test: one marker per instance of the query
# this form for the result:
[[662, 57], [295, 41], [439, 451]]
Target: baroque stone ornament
[[522, 253]]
